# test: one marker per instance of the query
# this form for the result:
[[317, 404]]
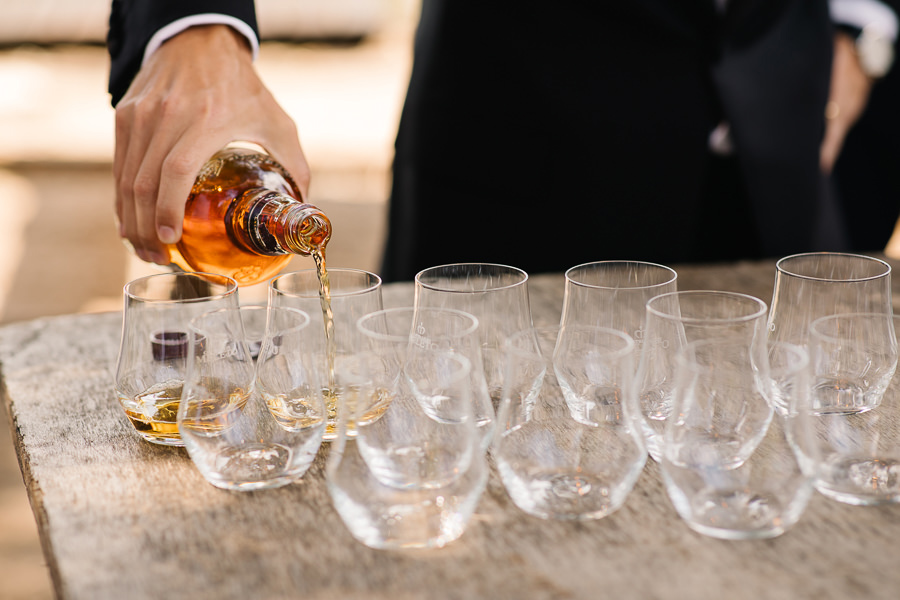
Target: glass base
[[175, 442], [861, 481]]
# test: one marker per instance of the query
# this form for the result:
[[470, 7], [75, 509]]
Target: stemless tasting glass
[[419, 429], [352, 293], [857, 425], [250, 425], [496, 295], [571, 445], [154, 348], [728, 461], [614, 294], [817, 284], [413, 474], [676, 319]]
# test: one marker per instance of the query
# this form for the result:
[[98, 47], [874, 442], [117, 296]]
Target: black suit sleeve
[[133, 22]]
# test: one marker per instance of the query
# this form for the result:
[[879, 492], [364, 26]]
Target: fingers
[[181, 108]]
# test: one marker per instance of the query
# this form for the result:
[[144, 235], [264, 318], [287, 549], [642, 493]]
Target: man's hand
[[850, 89], [197, 92]]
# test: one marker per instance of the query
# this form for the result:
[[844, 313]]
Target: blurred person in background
[[535, 134], [866, 174]]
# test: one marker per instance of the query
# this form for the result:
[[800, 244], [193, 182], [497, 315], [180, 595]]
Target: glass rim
[[306, 320], [815, 325], [762, 307], [781, 267], [229, 285], [395, 338], [673, 278], [510, 347], [509, 269], [374, 285]]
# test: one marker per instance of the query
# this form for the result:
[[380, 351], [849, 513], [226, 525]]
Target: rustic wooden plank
[[122, 518]]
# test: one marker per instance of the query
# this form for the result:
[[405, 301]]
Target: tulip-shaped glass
[[676, 319], [413, 474], [353, 293], [154, 347], [252, 423], [570, 445], [496, 295], [857, 422], [729, 461]]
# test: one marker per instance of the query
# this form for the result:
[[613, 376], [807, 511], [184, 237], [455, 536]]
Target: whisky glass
[[414, 472], [857, 420], [252, 422], [496, 295], [423, 433], [818, 284], [352, 293], [153, 354], [571, 445], [614, 294], [729, 460], [676, 319]]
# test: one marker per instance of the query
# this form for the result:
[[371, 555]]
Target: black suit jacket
[[544, 135]]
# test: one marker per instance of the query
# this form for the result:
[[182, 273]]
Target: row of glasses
[[581, 364]]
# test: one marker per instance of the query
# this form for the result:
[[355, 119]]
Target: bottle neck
[[271, 223]]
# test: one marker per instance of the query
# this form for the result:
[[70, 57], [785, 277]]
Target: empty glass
[[855, 408], [154, 347], [614, 294], [570, 446], [728, 460], [246, 424], [496, 295], [817, 284], [413, 474], [676, 319], [422, 435], [353, 293]]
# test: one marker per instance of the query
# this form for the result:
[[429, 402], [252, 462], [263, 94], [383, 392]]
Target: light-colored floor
[[59, 252]]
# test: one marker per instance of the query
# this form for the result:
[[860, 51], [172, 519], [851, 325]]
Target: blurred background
[[339, 67]]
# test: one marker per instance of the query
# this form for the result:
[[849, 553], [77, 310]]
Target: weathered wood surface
[[122, 518]]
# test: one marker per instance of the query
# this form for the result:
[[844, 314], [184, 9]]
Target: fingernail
[[167, 235]]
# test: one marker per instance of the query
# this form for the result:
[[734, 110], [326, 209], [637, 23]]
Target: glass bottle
[[245, 218]]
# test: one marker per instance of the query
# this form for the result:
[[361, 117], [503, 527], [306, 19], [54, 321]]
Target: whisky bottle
[[245, 218]]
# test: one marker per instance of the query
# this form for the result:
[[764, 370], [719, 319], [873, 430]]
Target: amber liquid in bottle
[[245, 219]]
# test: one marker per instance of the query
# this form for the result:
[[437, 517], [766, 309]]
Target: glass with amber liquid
[[245, 218], [153, 355], [252, 423]]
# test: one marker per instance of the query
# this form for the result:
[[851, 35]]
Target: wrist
[[874, 50], [208, 24]]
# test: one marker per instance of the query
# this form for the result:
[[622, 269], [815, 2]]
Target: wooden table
[[122, 518]]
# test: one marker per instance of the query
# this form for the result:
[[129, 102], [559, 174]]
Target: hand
[[850, 89], [197, 92]]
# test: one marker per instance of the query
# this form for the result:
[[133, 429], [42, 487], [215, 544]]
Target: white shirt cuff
[[865, 13], [176, 27]]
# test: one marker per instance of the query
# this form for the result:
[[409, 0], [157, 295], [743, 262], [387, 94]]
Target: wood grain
[[122, 518]]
